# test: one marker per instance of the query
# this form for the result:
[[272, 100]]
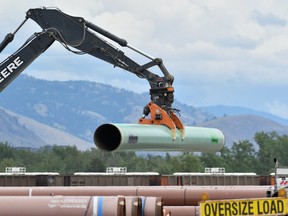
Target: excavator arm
[[23, 57], [83, 37]]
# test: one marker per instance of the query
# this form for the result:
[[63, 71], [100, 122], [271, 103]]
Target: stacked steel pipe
[[118, 200]]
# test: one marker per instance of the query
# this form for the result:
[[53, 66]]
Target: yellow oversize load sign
[[271, 206]]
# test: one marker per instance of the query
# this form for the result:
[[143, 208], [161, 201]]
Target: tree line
[[242, 156]]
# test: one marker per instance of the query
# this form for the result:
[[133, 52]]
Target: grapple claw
[[160, 117]]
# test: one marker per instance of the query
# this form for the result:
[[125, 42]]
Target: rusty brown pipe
[[172, 195], [80, 205], [148, 206], [133, 206], [61, 205]]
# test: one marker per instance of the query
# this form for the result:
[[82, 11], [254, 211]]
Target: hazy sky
[[219, 51]]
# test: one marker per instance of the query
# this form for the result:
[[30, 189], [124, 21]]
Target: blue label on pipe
[[143, 205], [100, 203]]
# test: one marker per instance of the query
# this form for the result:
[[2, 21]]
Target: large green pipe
[[144, 137]]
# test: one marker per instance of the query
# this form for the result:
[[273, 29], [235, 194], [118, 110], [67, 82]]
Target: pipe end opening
[[107, 137]]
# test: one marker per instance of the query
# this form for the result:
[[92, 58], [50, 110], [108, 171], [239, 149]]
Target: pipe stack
[[118, 200]]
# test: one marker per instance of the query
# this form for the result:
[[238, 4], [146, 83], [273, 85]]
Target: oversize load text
[[244, 207]]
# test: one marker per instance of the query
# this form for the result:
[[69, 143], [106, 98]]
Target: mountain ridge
[[76, 108], [39, 134], [223, 110], [244, 127]]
